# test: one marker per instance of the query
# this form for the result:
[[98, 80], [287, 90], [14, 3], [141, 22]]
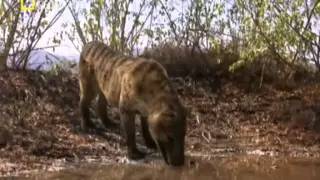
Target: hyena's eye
[[170, 114]]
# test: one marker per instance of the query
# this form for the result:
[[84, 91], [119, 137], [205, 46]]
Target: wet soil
[[218, 168], [39, 125]]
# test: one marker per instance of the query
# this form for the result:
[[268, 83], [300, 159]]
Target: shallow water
[[221, 168]]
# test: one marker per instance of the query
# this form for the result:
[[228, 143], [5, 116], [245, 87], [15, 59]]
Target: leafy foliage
[[285, 30]]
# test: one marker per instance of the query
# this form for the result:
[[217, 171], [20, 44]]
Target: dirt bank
[[39, 121]]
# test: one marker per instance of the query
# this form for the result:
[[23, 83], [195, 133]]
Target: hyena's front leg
[[127, 119], [102, 111], [146, 133], [86, 96]]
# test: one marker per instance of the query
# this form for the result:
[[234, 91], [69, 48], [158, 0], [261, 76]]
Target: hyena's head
[[168, 129]]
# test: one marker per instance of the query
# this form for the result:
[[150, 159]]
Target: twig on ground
[[207, 136], [197, 118]]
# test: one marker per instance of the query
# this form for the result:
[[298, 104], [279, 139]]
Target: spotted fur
[[135, 86]]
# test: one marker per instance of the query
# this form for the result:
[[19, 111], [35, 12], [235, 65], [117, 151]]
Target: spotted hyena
[[135, 86]]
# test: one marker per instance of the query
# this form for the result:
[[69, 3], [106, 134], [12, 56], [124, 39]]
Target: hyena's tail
[[83, 64], [85, 52]]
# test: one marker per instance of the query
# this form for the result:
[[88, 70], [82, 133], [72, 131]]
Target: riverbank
[[39, 128]]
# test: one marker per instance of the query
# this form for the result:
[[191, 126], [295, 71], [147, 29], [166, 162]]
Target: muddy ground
[[39, 122], [219, 168]]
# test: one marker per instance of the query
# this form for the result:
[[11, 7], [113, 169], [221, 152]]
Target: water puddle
[[218, 168]]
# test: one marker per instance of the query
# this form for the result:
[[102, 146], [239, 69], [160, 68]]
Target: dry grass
[[40, 119], [214, 64]]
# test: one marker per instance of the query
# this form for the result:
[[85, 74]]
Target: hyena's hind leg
[[87, 94], [102, 105]]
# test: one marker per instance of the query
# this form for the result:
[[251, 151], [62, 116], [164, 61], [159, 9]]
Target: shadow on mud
[[221, 168]]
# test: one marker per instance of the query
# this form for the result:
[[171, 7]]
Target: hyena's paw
[[88, 126], [151, 144], [136, 154], [107, 123]]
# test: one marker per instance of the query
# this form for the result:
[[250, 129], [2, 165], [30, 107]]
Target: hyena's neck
[[164, 102]]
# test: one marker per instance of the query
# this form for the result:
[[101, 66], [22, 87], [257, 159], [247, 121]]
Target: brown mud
[[218, 168], [39, 130]]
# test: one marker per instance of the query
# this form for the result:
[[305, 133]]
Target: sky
[[67, 48]]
